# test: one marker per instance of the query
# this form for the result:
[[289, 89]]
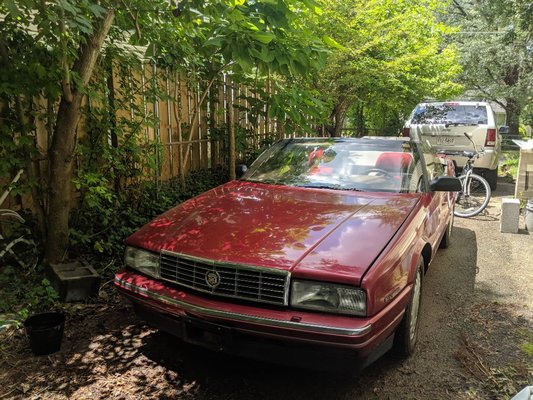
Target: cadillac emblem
[[212, 278]]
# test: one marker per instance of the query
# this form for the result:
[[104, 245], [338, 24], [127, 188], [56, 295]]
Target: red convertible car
[[319, 250]]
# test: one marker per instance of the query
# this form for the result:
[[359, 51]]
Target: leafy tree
[[53, 50], [495, 46], [388, 56]]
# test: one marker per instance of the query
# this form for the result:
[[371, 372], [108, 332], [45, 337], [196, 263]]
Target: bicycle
[[476, 193], [16, 242]]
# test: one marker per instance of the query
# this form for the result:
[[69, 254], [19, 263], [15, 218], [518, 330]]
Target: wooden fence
[[183, 144], [186, 144]]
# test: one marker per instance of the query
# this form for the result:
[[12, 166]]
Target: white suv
[[444, 124]]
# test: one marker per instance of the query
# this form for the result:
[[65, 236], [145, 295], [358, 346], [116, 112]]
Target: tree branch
[[491, 76], [489, 95], [134, 18], [89, 52], [461, 9], [65, 82]]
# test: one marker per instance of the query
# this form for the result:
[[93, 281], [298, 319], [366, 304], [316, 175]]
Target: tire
[[473, 204], [491, 176], [406, 336], [445, 241]]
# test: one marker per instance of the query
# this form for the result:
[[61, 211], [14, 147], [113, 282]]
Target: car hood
[[314, 233]]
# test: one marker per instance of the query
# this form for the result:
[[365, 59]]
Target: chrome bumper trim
[[242, 317]]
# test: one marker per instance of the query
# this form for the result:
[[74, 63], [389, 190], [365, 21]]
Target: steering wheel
[[380, 172]]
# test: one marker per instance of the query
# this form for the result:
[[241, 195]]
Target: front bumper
[[233, 328]]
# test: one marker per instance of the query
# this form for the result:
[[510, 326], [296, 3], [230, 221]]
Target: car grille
[[236, 281]]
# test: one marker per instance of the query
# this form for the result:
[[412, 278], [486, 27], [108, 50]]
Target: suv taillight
[[491, 138], [406, 132]]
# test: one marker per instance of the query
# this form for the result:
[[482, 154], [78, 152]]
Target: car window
[[355, 164], [450, 113]]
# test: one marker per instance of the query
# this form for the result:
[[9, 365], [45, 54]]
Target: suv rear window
[[450, 113]]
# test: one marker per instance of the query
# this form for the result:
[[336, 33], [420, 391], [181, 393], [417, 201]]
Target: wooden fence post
[[231, 130]]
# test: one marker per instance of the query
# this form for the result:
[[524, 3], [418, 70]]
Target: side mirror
[[446, 184], [503, 130], [240, 170]]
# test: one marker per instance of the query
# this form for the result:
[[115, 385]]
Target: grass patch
[[527, 346], [499, 382], [508, 165]]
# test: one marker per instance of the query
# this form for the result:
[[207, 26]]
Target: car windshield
[[386, 165], [450, 114]]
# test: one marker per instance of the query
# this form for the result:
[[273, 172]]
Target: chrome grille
[[242, 282]]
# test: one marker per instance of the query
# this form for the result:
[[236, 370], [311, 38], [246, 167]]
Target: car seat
[[394, 162]]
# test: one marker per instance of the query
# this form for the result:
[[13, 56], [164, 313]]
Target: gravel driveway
[[475, 329]]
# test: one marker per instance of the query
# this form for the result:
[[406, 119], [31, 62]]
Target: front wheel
[[406, 335], [474, 197]]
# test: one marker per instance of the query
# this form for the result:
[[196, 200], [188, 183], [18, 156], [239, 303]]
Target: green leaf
[[332, 42], [264, 55], [12, 8], [214, 41], [96, 9], [263, 37], [251, 26]]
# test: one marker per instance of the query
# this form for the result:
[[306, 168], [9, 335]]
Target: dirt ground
[[477, 318]]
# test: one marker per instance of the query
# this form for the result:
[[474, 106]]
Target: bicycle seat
[[469, 154]]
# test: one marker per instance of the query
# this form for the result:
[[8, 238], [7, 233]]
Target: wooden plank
[[175, 122], [202, 136], [194, 95], [185, 121], [164, 128]]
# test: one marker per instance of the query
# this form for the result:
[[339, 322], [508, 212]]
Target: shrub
[[99, 227]]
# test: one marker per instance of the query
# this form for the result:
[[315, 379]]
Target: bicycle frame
[[467, 172], [27, 256], [8, 190]]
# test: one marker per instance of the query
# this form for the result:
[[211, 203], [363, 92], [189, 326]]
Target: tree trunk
[[513, 111], [338, 117], [360, 119], [61, 157], [112, 119], [63, 145]]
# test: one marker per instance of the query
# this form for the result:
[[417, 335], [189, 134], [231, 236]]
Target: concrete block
[[510, 215], [74, 281]]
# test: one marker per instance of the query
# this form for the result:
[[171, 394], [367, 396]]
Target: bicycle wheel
[[16, 242], [475, 199]]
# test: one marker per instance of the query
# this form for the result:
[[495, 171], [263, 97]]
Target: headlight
[[328, 297], [143, 261]]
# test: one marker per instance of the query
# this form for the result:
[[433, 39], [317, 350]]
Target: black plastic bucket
[[45, 332]]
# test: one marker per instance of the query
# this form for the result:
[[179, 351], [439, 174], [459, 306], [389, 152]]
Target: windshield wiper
[[327, 186], [460, 124], [265, 181]]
